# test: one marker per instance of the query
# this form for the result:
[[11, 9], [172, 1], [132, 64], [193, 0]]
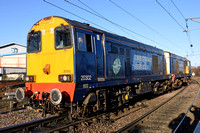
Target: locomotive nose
[[20, 94]]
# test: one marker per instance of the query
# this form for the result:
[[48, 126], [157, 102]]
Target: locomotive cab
[[50, 61]]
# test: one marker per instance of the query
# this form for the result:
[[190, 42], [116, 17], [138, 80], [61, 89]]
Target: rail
[[129, 127], [27, 125], [188, 109]]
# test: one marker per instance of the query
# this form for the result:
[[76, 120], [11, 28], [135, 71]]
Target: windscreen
[[34, 42], [62, 37]]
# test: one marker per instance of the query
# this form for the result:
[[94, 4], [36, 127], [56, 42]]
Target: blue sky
[[18, 16]]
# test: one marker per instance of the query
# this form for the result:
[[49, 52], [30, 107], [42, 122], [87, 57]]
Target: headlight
[[20, 94], [64, 78], [55, 96], [30, 78]]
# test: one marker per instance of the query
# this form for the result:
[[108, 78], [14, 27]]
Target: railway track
[[60, 123], [49, 124], [56, 123], [5, 85], [35, 125], [160, 118], [10, 105]]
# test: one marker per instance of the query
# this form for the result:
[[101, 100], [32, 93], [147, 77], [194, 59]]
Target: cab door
[[85, 57], [99, 56]]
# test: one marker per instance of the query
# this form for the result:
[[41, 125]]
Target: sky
[[144, 20]]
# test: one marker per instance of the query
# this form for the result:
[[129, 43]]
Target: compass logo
[[116, 66]]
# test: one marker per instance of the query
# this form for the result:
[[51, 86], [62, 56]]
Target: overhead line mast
[[192, 19]]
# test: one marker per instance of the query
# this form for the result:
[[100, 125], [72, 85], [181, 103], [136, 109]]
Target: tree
[[196, 70]]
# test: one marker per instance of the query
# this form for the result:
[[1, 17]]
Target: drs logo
[[116, 66]]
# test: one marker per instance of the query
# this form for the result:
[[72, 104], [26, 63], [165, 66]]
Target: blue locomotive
[[74, 67]]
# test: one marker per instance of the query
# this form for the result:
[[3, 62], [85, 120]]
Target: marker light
[[60, 78], [30, 78], [64, 78]]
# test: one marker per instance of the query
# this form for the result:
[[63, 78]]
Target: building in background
[[17, 60], [12, 61], [12, 48]]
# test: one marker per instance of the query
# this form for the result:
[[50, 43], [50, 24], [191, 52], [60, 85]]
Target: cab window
[[81, 42], [62, 37], [34, 42], [88, 38], [84, 42]]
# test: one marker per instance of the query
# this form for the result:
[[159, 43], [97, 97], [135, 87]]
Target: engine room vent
[[155, 64]]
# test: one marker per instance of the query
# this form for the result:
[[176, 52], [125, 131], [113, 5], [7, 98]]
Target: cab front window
[[34, 42], [62, 37]]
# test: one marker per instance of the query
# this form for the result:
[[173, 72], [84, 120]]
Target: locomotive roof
[[114, 36], [126, 41], [176, 56]]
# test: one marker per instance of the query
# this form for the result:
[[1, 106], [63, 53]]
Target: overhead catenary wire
[[74, 14], [143, 22], [178, 9], [187, 33], [101, 16], [170, 14]]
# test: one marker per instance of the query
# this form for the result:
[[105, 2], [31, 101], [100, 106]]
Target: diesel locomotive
[[76, 68]]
